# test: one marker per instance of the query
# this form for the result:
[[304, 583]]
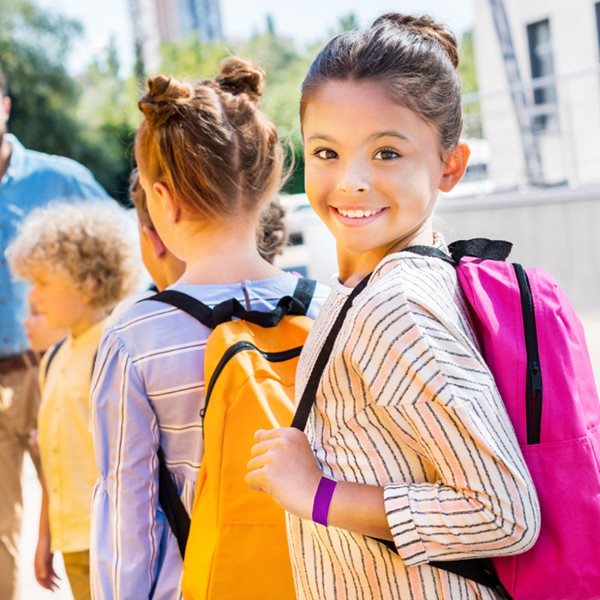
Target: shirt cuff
[[410, 548]]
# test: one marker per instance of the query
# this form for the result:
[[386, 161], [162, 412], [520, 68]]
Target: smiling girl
[[408, 440]]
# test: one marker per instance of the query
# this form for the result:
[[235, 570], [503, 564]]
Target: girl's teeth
[[357, 214]]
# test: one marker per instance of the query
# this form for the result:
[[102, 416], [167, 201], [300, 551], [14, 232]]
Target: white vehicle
[[311, 248], [476, 180]]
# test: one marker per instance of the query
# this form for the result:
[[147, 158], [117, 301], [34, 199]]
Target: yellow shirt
[[66, 442]]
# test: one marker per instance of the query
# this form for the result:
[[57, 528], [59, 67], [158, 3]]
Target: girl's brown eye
[[386, 154], [325, 153]]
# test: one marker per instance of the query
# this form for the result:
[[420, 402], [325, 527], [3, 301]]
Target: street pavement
[[30, 590]]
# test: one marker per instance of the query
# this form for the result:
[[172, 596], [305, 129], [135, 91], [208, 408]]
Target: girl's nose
[[353, 181]]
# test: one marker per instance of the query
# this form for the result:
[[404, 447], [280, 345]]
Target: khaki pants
[[19, 401], [77, 566]]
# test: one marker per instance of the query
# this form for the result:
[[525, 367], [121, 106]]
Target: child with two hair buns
[[209, 162]]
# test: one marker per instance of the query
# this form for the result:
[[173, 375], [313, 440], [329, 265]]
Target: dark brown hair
[[138, 199], [272, 235], [413, 58], [211, 143]]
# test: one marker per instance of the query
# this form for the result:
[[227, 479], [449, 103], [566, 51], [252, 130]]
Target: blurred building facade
[[157, 21], [550, 110]]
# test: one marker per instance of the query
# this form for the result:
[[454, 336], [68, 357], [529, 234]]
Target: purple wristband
[[323, 500]]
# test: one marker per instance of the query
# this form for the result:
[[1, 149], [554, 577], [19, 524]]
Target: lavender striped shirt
[[407, 403], [148, 389]]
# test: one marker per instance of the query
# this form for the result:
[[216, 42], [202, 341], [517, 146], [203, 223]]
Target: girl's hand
[[44, 571], [284, 466]]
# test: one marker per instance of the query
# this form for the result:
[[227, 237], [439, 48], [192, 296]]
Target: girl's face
[[373, 172]]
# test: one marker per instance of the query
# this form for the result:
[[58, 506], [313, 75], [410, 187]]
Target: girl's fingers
[[254, 479], [255, 463], [262, 447], [268, 434]]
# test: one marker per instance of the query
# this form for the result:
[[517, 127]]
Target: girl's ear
[[158, 247], [455, 166], [6, 103], [169, 202]]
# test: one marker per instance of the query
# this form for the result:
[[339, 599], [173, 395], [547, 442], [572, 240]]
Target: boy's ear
[[158, 247], [91, 287], [6, 101], [170, 203], [455, 166]]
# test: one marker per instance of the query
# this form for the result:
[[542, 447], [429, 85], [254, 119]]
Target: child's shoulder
[[413, 275], [404, 283], [137, 319]]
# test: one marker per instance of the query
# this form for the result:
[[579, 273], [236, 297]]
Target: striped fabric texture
[[148, 390], [407, 403]]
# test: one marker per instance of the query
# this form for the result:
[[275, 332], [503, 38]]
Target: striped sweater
[[407, 403]]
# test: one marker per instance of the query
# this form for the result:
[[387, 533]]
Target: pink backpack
[[535, 347]]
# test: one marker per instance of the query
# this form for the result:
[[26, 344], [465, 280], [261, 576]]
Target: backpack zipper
[[534, 374], [241, 347]]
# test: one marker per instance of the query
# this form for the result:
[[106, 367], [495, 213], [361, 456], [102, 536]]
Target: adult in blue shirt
[[28, 180]]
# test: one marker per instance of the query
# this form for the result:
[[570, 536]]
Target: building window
[[542, 72]]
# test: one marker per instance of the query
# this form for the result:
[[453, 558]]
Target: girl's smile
[[358, 215]]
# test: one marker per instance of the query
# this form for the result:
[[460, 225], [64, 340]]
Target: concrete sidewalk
[[32, 497]]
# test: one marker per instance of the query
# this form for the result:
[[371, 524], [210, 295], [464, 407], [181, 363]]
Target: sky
[[304, 21]]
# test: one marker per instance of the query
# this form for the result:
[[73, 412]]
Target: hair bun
[[238, 76], [165, 98], [425, 26]]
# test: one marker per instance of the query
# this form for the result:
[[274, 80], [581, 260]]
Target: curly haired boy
[[81, 260]]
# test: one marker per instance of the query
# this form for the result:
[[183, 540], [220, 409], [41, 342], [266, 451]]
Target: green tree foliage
[[285, 68], [190, 58], [33, 48], [47, 101], [193, 59], [468, 74], [108, 109]]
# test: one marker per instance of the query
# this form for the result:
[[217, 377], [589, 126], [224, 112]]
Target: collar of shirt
[[91, 333], [17, 158]]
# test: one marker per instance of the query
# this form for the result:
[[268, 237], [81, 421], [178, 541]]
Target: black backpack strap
[[479, 570], [172, 506], [310, 391], [297, 304], [187, 304], [171, 503], [304, 292], [52, 354], [480, 248], [225, 311], [432, 252], [477, 248]]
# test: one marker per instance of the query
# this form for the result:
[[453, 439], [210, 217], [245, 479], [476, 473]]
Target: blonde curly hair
[[93, 242]]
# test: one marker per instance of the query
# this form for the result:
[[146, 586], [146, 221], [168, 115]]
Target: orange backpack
[[237, 546]]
